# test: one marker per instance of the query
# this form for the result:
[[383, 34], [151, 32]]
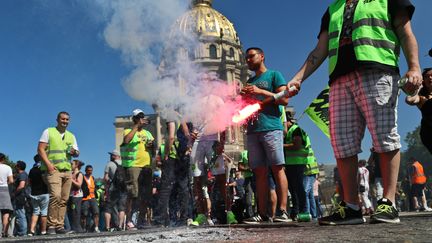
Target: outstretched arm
[[402, 25], [314, 60]]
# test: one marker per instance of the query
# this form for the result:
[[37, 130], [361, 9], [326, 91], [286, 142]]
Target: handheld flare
[[277, 96], [249, 110]]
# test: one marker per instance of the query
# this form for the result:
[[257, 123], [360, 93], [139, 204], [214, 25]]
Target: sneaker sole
[[250, 222], [390, 221], [347, 222], [282, 220]]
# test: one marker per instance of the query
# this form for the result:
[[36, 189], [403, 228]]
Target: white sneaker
[[210, 222], [428, 209]]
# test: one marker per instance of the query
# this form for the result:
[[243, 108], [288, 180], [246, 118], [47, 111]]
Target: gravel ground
[[414, 227]]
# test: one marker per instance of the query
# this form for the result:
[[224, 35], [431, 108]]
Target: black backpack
[[119, 178], [84, 188]]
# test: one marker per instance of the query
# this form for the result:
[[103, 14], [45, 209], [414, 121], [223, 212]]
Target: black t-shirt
[[38, 186], [20, 195], [426, 111], [346, 51]]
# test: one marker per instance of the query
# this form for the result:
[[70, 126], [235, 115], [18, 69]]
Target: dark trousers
[[174, 187], [74, 213], [248, 197], [295, 175]]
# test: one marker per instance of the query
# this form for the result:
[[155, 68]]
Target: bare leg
[[389, 163], [281, 185], [262, 189], [121, 219], [415, 203], [5, 221], [424, 202], [43, 224], [34, 220], [273, 202], [96, 221], [348, 168], [107, 220]]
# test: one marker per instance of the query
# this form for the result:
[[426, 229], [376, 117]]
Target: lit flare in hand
[[246, 113], [251, 109]]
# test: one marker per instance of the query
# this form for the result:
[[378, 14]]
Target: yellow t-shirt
[[143, 157]]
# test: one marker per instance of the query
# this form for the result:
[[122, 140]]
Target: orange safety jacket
[[418, 176], [91, 186]]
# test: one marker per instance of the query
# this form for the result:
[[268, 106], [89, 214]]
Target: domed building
[[218, 50]]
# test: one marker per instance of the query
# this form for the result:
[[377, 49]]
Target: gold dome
[[206, 22]]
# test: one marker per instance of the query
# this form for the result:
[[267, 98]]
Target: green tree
[[415, 149]]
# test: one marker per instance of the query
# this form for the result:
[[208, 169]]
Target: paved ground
[[414, 227]]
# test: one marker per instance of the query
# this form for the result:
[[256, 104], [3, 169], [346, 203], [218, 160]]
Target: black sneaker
[[63, 231], [51, 231], [282, 216], [343, 216], [385, 213], [258, 220], [293, 216]]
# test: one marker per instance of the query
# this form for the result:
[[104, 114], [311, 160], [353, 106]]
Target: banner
[[318, 111]]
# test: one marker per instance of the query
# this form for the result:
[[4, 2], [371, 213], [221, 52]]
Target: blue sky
[[53, 57]]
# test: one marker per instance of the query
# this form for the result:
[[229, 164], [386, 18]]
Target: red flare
[[246, 112]]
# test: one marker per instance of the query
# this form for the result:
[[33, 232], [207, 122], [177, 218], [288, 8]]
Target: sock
[[353, 206], [388, 202]]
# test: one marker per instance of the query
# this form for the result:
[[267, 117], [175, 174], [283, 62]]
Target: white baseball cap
[[136, 112], [115, 152]]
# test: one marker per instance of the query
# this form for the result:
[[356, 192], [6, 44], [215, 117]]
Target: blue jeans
[[310, 206], [21, 221], [249, 191]]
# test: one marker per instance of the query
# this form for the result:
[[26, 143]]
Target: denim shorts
[[88, 206], [265, 149], [40, 204], [201, 154]]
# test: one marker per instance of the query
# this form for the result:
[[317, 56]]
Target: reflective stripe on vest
[[372, 34], [173, 150], [418, 177], [57, 149], [312, 168], [302, 156], [129, 151]]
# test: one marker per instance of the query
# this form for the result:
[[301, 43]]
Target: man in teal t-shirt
[[265, 135]]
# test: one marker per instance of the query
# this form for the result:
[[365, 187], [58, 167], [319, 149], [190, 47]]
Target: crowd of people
[[190, 180]]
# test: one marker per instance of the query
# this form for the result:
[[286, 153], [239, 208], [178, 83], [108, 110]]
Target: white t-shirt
[[45, 139], [5, 171]]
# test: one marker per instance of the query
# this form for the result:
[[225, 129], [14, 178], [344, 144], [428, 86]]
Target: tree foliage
[[415, 149]]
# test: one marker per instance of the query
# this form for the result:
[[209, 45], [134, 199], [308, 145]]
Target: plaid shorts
[[364, 98]]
